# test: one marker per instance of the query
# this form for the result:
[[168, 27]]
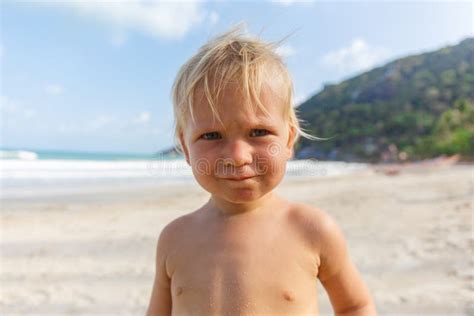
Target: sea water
[[53, 169]]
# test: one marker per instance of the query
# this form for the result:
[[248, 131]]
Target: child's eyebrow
[[268, 123], [264, 124], [206, 129], [261, 123]]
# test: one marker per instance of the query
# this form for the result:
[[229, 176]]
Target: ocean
[[41, 169]]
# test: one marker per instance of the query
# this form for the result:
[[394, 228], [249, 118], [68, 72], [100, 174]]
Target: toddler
[[247, 251]]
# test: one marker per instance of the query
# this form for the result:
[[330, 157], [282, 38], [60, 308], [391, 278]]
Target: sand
[[91, 252]]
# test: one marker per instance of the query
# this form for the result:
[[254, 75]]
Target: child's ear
[[184, 148], [291, 141]]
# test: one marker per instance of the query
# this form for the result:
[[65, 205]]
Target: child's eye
[[258, 132], [211, 136]]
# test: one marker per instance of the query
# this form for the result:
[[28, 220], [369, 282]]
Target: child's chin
[[242, 196]]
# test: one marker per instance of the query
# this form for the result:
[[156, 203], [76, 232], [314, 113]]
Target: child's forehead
[[232, 106], [232, 97], [268, 78], [241, 116]]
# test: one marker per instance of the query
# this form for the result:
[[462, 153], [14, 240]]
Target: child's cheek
[[271, 160], [199, 150], [202, 158], [278, 164]]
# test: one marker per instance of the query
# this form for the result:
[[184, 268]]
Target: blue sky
[[96, 75]]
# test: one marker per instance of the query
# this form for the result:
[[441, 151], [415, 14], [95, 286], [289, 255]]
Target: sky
[[96, 76]]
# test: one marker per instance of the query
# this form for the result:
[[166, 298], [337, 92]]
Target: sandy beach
[[91, 251]]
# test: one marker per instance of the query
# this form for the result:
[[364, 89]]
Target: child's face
[[246, 158]]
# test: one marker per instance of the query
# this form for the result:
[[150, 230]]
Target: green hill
[[414, 107]]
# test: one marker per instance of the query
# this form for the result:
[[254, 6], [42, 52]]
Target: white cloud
[[67, 127], [158, 131], [164, 19], [109, 122], [6, 105], [13, 109], [213, 18], [355, 57], [29, 113], [98, 122], [287, 3], [143, 118], [118, 40], [13, 114], [101, 121], [53, 89], [300, 98], [286, 50]]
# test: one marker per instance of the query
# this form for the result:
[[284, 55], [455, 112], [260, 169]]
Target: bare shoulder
[[172, 231], [319, 230], [160, 301], [339, 276], [314, 222], [307, 213]]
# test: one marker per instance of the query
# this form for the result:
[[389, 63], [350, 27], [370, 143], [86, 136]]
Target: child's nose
[[239, 152]]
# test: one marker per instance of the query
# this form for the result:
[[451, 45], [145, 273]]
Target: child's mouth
[[241, 178]]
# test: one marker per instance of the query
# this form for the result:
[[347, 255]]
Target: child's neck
[[226, 208]]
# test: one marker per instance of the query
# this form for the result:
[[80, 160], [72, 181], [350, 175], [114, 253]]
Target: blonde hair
[[231, 57]]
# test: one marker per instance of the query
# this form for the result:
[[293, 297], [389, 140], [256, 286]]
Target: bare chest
[[245, 271]]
